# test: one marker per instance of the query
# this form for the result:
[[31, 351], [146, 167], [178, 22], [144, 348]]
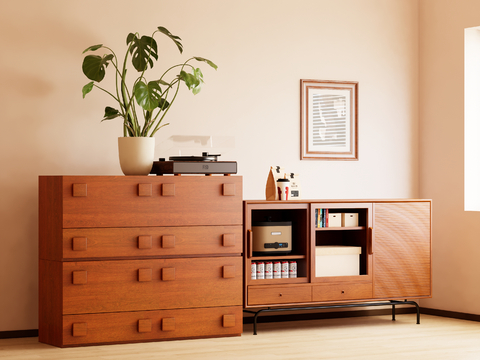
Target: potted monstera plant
[[141, 104]]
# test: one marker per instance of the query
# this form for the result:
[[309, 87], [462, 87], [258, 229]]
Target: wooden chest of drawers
[[127, 259]]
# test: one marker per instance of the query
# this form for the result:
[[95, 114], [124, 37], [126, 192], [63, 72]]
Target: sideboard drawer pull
[[79, 244], [79, 190], [228, 321], [144, 325], [228, 271], [79, 277], [168, 189], [144, 275], [168, 324], [228, 240], [144, 242], [144, 189], [79, 329], [168, 241], [168, 274], [228, 189]]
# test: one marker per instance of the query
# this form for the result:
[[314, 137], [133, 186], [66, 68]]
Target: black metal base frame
[[391, 303]]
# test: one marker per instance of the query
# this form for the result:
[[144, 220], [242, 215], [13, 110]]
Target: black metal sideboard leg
[[393, 312]]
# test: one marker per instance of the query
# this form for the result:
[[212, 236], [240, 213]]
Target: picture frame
[[328, 120]]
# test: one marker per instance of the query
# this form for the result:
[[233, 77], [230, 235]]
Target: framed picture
[[329, 122]]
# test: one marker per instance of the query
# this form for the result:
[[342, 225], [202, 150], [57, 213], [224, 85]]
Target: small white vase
[[136, 154]]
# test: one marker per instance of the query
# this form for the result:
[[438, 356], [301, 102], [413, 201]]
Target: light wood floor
[[373, 337]]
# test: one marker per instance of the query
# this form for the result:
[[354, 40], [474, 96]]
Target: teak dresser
[[131, 259]]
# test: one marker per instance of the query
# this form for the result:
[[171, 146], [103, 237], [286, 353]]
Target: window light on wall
[[472, 119]]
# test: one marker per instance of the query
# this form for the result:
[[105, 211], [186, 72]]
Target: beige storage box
[[349, 219], [335, 220], [337, 260]]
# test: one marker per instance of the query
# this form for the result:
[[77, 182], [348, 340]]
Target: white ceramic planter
[[136, 154]]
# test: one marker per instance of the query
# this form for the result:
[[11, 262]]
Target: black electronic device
[[207, 164]]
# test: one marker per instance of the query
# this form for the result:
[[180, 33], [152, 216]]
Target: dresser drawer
[[130, 285], [338, 292], [151, 325], [133, 201], [272, 295], [151, 241]]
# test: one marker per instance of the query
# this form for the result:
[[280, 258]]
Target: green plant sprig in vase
[[155, 97]]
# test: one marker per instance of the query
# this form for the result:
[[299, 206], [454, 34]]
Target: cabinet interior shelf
[[340, 228], [278, 257]]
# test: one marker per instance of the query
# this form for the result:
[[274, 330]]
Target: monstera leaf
[[148, 95], [111, 113], [94, 66], [193, 81], [143, 51]]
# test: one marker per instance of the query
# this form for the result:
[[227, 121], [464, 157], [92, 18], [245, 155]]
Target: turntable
[[207, 164]]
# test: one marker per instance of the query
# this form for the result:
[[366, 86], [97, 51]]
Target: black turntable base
[[206, 164]]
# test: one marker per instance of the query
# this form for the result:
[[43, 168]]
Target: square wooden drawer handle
[[79, 329], [228, 271], [79, 190], [79, 277], [168, 189], [168, 324], [79, 244], [144, 242], [168, 274], [228, 240], [168, 241], [144, 275], [228, 189], [144, 189], [144, 325], [228, 321]]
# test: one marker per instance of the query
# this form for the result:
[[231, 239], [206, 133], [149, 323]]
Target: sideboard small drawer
[[101, 201], [338, 292], [152, 241], [151, 325], [272, 295], [130, 285]]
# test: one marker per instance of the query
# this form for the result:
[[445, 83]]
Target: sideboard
[[393, 238]]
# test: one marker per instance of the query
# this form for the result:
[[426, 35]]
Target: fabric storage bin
[[349, 219]]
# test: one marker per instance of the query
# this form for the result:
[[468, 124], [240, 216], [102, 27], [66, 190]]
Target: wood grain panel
[[125, 327], [50, 302], [165, 241], [402, 249], [50, 217], [113, 201], [114, 286]]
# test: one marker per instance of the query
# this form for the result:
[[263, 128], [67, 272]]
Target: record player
[[207, 164]]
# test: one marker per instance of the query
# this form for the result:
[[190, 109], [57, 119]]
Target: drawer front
[[151, 325], [133, 201], [338, 292], [271, 295], [130, 285], [151, 241]]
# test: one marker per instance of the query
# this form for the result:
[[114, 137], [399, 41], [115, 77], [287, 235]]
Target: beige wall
[[456, 250], [263, 49]]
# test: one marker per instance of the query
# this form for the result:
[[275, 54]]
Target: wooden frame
[[329, 120]]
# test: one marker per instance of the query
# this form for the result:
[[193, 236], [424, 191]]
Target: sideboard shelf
[[340, 228]]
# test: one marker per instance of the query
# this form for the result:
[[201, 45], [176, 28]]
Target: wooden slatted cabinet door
[[402, 250]]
